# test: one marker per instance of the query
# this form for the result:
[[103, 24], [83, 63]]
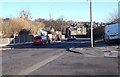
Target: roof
[[47, 28], [72, 29]]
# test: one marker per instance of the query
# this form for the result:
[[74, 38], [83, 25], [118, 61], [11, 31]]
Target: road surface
[[55, 59]]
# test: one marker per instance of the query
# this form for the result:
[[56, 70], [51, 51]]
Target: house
[[49, 29], [76, 29], [42, 32]]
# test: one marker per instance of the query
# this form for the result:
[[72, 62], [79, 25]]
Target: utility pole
[[91, 24]]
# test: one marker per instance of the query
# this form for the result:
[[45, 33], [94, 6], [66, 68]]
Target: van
[[112, 33]]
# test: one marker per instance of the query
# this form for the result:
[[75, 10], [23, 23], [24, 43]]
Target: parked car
[[71, 38], [112, 33], [40, 40]]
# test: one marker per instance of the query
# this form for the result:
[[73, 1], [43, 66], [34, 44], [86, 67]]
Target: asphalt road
[[54, 59]]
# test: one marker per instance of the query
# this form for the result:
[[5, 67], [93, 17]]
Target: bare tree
[[62, 17], [25, 14], [36, 26], [114, 18], [1, 22]]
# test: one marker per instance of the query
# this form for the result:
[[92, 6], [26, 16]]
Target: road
[[55, 59]]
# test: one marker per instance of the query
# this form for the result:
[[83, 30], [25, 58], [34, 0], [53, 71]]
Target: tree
[[19, 26], [1, 22], [25, 14], [98, 32], [114, 18], [62, 17], [36, 26], [11, 27]]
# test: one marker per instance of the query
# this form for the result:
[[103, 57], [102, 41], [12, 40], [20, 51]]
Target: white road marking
[[38, 65]]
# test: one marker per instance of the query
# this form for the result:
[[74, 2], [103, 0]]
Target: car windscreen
[[44, 37], [38, 37]]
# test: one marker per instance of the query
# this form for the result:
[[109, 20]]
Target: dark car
[[71, 38]]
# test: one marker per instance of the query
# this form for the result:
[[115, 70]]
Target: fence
[[17, 40]]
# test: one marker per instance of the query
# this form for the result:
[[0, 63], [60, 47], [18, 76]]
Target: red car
[[40, 40]]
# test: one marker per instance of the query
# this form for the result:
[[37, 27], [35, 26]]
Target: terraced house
[[76, 29]]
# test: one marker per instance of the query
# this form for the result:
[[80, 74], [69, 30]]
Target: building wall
[[80, 31]]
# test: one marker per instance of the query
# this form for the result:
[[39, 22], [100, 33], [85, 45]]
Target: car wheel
[[48, 41], [43, 43]]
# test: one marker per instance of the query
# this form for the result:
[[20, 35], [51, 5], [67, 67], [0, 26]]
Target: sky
[[76, 11]]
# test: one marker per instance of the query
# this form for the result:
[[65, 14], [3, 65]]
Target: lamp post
[[91, 24]]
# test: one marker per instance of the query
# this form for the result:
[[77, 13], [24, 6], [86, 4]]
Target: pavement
[[6, 46], [111, 51]]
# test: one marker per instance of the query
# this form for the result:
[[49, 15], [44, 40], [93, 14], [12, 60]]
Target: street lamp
[[91, 23]]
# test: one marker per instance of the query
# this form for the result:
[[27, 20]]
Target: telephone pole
[[91, 24]]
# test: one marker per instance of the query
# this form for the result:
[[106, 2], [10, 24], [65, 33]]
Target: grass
[[99, 40]]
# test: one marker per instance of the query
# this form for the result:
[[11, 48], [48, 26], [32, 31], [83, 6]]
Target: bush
[[98, 32], [19, 26]]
